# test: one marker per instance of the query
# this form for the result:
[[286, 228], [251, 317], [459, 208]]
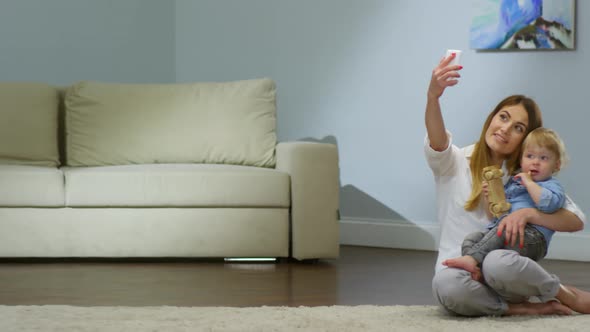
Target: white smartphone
[[457, 59]]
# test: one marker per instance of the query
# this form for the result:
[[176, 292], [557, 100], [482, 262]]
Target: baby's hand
[[523, 177]]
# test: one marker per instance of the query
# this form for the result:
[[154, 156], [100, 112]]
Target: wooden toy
[[496, 196]]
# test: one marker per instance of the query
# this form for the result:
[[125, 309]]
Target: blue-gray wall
[[355, 72], [352, 72], [64, 41]]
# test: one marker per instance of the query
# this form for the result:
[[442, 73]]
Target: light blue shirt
[[552, 199]]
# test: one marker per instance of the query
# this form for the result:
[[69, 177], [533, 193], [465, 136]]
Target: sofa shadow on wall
[[365, 221]]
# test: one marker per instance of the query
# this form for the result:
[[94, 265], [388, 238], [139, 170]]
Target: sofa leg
[[309, 261]]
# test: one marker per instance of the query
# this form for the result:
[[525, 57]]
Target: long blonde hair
[[481, 156]]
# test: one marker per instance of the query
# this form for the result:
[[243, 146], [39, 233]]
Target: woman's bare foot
[[548, 308], [466, 263], [574, 298]]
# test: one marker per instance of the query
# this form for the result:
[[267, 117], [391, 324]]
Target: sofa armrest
[[314, 172]]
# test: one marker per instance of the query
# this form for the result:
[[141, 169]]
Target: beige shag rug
[[334, 318]]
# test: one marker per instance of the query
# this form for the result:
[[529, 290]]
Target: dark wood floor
[[360, 276]]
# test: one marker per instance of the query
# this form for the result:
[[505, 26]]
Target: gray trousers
[[479, 244], [509, 278]]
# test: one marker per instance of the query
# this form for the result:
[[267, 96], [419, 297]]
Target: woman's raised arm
[[443, 76]]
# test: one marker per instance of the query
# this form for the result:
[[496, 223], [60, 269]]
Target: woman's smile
[[501, 138]]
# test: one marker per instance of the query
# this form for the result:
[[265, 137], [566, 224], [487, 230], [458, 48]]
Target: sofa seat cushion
[[31, 186], [176, 185]]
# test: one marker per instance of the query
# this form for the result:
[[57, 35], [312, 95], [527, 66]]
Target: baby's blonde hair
[[548, 139]]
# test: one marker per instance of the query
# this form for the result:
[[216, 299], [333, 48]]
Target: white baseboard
[[403, 235]]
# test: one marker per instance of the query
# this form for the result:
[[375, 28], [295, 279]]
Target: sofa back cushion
[[213, 123], [28, 124]]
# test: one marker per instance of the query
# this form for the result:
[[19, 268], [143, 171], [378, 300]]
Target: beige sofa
[[168, 170]]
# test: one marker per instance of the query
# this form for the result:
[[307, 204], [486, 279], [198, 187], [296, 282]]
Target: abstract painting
[[523, 24]]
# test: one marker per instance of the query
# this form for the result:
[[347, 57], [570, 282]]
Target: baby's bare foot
[[477, 275], [466, 263]]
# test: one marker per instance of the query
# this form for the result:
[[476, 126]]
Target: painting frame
[[517, 25]]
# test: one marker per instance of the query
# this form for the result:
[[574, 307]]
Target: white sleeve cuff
[[573, 208]]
